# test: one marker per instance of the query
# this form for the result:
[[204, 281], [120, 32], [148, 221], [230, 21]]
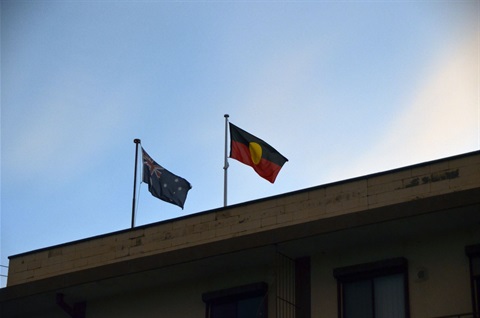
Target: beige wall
[[315, 204], [183, 299], [173, 300], [445, 291], [377, 204]]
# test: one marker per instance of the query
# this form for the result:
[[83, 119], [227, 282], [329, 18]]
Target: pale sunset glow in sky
[[340, 88]]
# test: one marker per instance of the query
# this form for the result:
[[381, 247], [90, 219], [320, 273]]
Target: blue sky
[[341, 88]]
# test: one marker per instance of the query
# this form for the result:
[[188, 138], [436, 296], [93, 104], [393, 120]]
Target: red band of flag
[[255, 152]]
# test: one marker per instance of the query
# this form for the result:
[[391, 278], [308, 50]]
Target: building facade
[[402, 243]]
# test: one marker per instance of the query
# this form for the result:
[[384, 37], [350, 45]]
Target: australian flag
[[162, 183]]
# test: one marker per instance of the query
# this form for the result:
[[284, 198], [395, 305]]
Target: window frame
[[473, 253], [235, 294], [370, 271]]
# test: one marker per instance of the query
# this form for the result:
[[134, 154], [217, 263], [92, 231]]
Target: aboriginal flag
[[254, 152], [162, 183]]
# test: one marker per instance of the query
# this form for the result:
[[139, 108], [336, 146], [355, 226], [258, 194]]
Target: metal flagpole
[[225, 167], [136, 141]]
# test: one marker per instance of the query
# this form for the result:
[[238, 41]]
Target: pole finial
[[136, 140], [226, 116]]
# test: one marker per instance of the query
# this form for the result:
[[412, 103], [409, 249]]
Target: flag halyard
[[162, 183], [255, 152]]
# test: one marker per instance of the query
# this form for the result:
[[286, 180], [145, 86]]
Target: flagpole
[[225, 167], [136, 141]]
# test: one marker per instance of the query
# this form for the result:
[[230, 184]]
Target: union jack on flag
[[162, 183]]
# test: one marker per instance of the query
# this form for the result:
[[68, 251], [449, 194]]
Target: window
[[473, 253], [374, 290], [248, 301]]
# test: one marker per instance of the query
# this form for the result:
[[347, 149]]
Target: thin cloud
[[441, 120]]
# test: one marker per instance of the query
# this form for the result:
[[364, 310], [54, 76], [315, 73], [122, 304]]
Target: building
[[403, 243]]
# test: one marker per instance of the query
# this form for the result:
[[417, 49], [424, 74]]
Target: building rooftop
[[403, 201]]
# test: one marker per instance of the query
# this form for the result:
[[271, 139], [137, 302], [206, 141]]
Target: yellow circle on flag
[[255, 152]]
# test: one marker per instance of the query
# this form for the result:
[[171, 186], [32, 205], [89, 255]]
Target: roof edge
[[373, 175]]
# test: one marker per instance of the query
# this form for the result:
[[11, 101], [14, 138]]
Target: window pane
[[389, 296], [254, 307], [477, 284], [225, 310], [358, 299], [475, 266], [251, 308]]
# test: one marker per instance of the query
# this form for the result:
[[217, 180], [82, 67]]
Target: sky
[[341, 88]]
